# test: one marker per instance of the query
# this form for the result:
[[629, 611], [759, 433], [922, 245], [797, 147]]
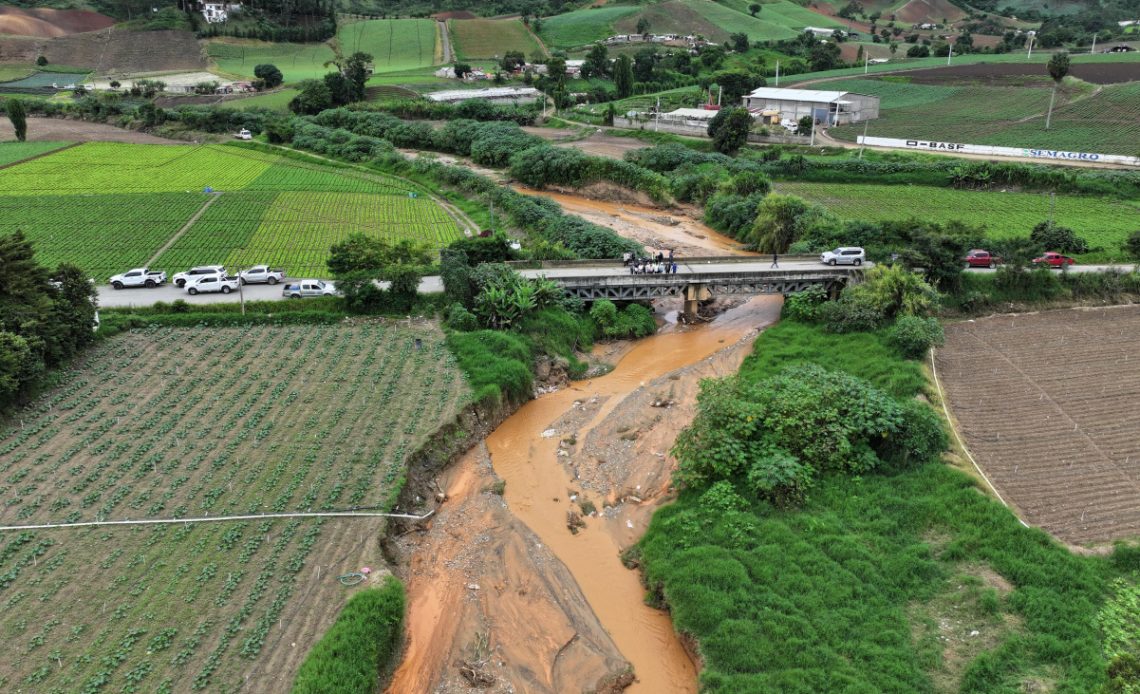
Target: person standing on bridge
[[775, 260]]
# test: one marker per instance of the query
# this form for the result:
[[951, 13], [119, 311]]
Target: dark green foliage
[[804, 306], [484, 249], [1132, 245], [360, 252], [633, 321], [544, 165], [560, 333], [777, 223], [315, 97], [850, 315], [459, 318], [1053, 237], [269, 75], [732, 214], [359, 647], [455, 271], [623, 76], [913, 336], [45, 318], [729, 129], [497, 364], [19, 117]]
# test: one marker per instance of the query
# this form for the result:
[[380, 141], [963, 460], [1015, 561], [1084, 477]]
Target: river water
[[536, 480]]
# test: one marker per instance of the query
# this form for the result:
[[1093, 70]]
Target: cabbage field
[[107, 207], [162, 424]]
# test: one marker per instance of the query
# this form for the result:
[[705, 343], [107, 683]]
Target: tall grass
[[351, 657], [823, 597]]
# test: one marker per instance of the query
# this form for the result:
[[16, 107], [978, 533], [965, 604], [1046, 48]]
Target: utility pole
[[866, 61], [1031, 37], [241, 293], [777, 73], [863, 142], [950, 54], [1093, 49], [657, 117]]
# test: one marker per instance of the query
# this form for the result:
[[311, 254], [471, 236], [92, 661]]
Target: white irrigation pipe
[[961, 443], [215, 519]]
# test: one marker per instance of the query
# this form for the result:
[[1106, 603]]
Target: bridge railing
[[680, 260], [721, 277]]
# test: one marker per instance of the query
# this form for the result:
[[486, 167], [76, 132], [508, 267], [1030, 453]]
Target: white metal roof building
[[833, 108], [495, 94]]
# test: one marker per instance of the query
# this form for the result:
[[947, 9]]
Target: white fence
[[987, 150]]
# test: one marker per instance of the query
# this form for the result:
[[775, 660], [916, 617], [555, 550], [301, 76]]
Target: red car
[[1053, 259], [980, 258]]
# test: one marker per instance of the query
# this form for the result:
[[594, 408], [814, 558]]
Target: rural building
[[820, 31], [218, 11], [833, 108], [691, 117], [498, 95]]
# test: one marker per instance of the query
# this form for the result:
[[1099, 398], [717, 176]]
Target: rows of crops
[[297, 61], [490, 38], [394, 44], [1104, 223], [163, 424], [1107, 121], [12, 152], [581, 27], [270, 209]]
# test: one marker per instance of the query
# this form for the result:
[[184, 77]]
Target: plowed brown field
[[1049, 405]]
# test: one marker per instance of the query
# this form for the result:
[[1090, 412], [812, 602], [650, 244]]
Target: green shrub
[[913, 336], [634, 320], [459, 318], [850, 315], [359, 647], [1054, 237], [497, 364], [804, 306]]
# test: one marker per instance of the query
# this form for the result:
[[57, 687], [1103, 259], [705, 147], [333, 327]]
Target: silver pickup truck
[[262, 274], [303, 288]]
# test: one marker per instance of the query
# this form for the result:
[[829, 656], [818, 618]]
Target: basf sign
[[987, 150]]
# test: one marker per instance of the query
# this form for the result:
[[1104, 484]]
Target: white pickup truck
[[243, 134], [180, 279], [261, 274], [138, 277], [212, 283]]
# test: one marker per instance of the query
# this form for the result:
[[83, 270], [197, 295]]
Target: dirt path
[[505, 590], [445, 42], [185, 227], [52, 129]]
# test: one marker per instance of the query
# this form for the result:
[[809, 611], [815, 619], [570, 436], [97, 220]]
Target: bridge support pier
[[694, 295]]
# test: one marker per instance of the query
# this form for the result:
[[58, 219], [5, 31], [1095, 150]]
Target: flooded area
[[503, 596]]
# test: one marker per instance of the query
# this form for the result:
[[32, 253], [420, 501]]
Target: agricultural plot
[[581, 27], [1107, 121], [297, 61], [1047, 404], [715, 21], [1103, 222], [102, 234], [484, 39], [270, 209], [395, 44], [46, 79], [163, 424], [12, 152]]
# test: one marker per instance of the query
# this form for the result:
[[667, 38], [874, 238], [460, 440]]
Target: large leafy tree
[[729, 129], [269, 75], [597, 63], [19, 117], [623, 76], [777, 222]]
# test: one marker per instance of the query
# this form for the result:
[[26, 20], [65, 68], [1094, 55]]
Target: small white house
[[219, 11]]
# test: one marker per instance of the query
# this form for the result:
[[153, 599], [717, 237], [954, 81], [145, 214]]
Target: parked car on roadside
[[304, 288], [138, 277], [261, 274], [212, 283], [1054, 259], [981, 258], [844, 255], [181, 278]]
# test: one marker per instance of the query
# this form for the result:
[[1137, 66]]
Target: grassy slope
[[488, 38], [395, 44], [1104, 223], [297, 61], [780, 20], [583, 26], [882, 583]]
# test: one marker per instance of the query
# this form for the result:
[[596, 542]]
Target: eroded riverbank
[[502, 594]]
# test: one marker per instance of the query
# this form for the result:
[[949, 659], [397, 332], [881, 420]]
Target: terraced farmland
[[581, 27], [1103, 222], [268, 209], [481, 39], [161, 424]]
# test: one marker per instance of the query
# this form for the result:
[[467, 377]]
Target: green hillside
[[583, 26]]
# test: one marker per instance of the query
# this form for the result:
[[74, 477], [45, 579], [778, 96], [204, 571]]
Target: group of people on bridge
[[660, 265]]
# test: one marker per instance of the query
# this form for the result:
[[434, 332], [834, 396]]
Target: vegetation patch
[[483, 39], [12, 152]]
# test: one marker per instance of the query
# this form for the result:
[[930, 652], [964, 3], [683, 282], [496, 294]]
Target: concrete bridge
[[699, 282]]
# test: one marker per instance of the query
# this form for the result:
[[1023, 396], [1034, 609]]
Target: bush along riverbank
[[819, 543]]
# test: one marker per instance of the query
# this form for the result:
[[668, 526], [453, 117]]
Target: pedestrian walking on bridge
[[775, 261]]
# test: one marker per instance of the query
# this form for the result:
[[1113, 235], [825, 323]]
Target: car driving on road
[[180, 279], [844, 255], [1054, 259], [981, 258], [304, 288]]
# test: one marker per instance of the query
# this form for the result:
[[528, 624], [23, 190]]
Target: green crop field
[[12, 152], [297, 61], [583, 26], [107, 207], [1105, 121], [475, 39], [165, 424], [715, 21], [277, 100], [394, 44], [1103, 222]]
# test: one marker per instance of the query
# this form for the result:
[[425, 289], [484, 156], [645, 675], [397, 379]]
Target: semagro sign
[[987, 150]]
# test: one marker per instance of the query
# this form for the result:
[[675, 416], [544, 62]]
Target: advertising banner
[[988, 150]]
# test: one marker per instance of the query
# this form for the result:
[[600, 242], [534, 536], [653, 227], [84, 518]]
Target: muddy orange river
[[534, 476]]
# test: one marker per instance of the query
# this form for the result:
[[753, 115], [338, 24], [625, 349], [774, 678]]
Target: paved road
[[109, 297]]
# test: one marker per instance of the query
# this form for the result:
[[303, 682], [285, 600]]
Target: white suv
[[181, 278], [844, 255]]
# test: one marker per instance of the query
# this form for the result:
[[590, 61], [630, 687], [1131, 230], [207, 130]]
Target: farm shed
[[498, 95], [692, 117], [834, 108]]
